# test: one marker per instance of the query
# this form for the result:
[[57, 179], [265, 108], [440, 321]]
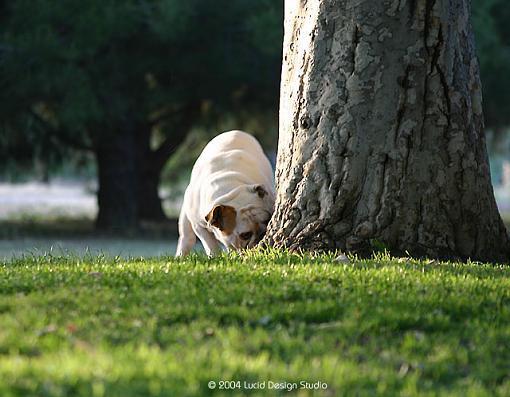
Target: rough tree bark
[[381, 131]]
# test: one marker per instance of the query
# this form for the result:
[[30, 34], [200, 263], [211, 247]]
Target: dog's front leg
[[211, 245]]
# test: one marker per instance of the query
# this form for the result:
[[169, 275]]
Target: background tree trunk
[[381, 131], [117, 163], [152, 163], [130, 171], [149, 204]]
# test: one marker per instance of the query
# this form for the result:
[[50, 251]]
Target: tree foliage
[[102, 74], [86, 67], [492, 32]]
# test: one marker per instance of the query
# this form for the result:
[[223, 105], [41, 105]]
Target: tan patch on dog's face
[[222, 217], [229, 220]]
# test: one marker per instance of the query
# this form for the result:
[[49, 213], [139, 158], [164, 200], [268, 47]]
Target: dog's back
[[232, 157]]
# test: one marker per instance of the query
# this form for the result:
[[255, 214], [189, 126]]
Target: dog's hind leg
[[187, 236]]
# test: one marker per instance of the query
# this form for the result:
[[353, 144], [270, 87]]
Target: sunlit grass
[[99, 326]]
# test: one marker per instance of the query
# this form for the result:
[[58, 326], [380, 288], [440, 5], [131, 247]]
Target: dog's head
[[244, 226]]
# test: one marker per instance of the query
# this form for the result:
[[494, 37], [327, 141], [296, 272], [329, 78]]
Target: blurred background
[[105, 105]]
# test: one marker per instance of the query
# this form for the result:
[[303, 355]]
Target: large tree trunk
[[381, 131]]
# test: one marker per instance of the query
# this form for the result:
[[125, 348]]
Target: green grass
[[166, 327]]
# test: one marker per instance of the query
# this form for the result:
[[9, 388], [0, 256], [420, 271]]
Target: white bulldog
[[230, 197]]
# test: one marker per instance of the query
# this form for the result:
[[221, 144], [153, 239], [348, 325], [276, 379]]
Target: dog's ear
[[223, 217], [259, 190]]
